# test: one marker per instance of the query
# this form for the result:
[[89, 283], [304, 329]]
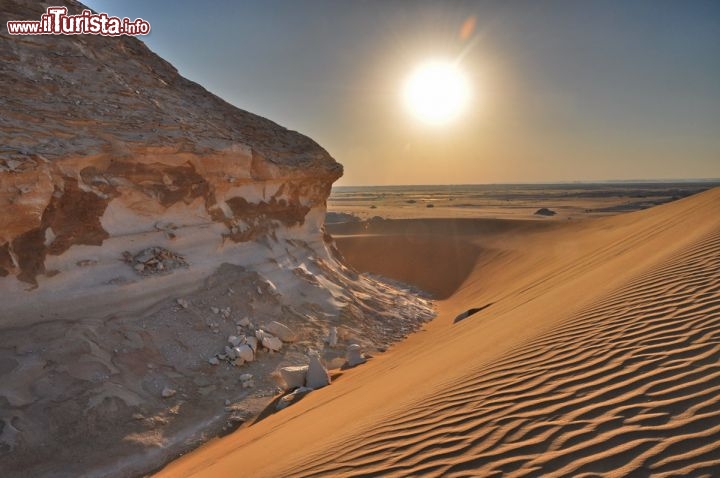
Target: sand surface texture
[[596, 354]]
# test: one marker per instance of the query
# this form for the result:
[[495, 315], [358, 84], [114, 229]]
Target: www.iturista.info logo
[[56, 21]]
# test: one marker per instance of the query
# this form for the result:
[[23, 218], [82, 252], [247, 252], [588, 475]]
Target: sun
[[436, 92]]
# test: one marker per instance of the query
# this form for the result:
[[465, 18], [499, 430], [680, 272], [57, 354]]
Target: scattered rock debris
[[154, 260]]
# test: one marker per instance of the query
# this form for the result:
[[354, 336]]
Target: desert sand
[[595, 353]]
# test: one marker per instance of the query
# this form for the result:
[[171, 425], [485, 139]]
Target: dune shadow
[[434, 264], [470, 312]]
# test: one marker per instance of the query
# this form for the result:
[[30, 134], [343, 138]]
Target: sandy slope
[[598, 356]]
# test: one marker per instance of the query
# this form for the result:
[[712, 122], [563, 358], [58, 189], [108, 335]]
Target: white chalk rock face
[[281, 331], [317, 374], [293, 376]]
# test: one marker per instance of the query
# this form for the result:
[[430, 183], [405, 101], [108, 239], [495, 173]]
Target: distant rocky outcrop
[[543, 211], [149, 230], [340, 217]]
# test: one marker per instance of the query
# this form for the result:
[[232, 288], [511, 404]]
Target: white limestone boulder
[[293, 376], [243, 351], [354, 356], [281, 331], [317, 374]]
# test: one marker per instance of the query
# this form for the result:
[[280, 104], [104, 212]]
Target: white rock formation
[[317, 374], [244, 352], [354, 355], [271, 342], [332, 338], [292, 398], [281, 331], [252, 342], [293, 376]]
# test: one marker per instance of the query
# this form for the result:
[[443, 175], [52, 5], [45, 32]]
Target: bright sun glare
[[436, 92]]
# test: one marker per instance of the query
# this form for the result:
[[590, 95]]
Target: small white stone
[[214, 310], [245, 377], [252, 342], [271, 343], [245, 352], [168, 392], [281, 331], [231, 353], [183, 303], [213, 361]]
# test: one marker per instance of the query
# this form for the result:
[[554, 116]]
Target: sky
[[561, 90]]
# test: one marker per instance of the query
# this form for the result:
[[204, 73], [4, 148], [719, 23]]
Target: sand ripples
[[627, 387]]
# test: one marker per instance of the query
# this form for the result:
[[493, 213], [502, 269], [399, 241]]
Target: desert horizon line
[[539, 183]]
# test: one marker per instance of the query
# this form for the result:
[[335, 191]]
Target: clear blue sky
[[563, 90]]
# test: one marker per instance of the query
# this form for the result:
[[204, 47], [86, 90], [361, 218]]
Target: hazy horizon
[[561, 91], [541, 183]]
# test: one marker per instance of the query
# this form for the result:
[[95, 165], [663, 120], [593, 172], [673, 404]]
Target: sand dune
[[597, 354]]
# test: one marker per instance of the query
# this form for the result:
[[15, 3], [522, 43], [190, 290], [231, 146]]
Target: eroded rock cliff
[[126, 190], [103, 138]]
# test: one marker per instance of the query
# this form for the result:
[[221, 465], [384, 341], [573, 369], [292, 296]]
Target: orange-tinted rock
[[91, 120]]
